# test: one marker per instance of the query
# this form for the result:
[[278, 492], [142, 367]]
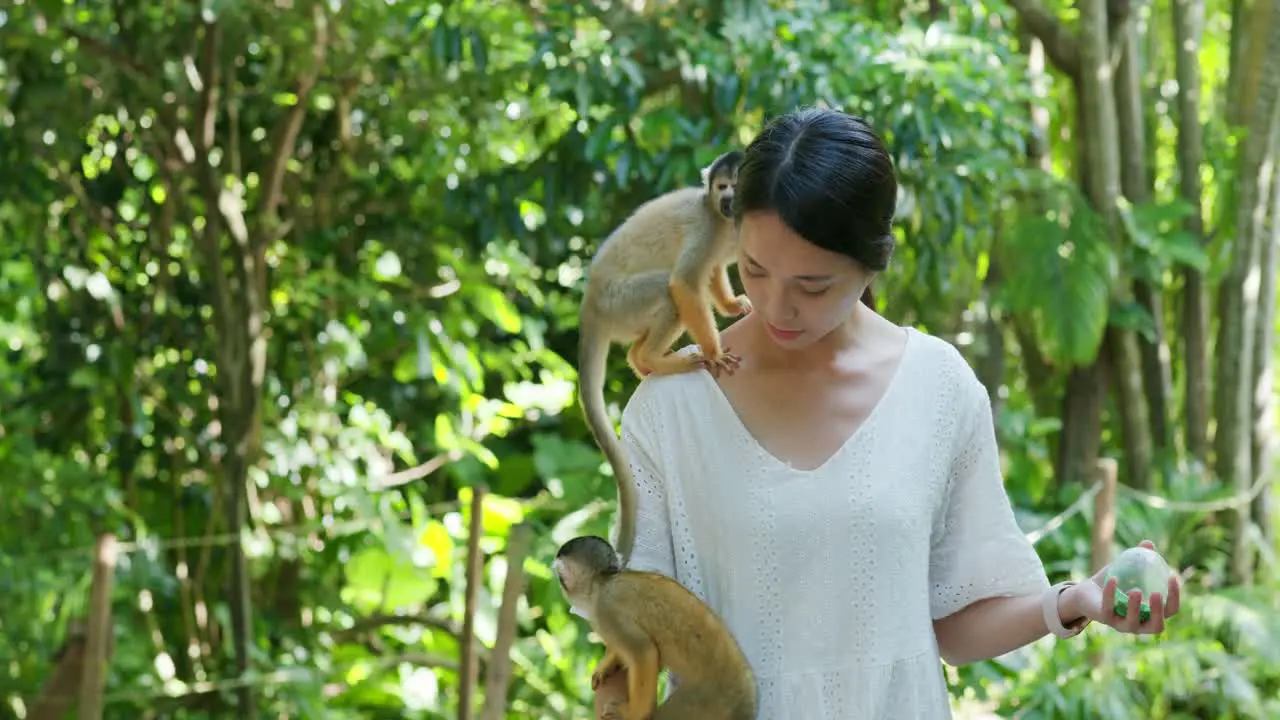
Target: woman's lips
[[781, 334]]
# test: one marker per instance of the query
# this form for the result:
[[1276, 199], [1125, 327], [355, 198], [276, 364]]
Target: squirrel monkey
[[658, 273], [649, 621]]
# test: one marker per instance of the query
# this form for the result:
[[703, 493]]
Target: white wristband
[[1052, 619]]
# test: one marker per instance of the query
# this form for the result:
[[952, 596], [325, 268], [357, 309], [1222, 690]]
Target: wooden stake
[[469, 672], [498, 669], [1104, 513], [94, 678]]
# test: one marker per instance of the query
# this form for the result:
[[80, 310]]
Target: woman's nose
[[779, 307]]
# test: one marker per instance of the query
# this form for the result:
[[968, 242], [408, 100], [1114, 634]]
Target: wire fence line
[[340, 528], [179, 689], [1057, 521], [1231, 502], [348, 527]]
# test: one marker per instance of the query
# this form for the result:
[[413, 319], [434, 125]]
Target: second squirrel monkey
[[649, 621], [657, 274]]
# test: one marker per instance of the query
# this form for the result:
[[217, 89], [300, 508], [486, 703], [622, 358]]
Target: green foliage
[[1062, 271], [1220, 661]]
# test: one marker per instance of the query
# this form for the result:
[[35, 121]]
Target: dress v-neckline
[[741, 427]]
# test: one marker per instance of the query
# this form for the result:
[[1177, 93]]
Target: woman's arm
[[994, 626], [990, 592], [987, 582]]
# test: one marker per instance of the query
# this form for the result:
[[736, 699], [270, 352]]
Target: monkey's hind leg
[[695, 314], [633, 356], [653, 351]]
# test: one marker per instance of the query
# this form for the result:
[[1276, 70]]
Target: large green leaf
[[1059, 271]]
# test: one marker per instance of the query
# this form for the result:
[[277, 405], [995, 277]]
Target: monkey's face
[[572, 575], [721, 179], [722, 187], [581, 564]]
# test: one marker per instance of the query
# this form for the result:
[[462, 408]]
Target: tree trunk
[[1082, 414], [1040, 376], [1125, 357], [1081, 440], [233, 244], [1141, 404], [1188, 29], [1237, 53], [1087, 59], [1264, 411], [991, 364], [1238, 298]]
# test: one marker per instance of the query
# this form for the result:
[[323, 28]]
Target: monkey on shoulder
[[659, 273], [649, 621]]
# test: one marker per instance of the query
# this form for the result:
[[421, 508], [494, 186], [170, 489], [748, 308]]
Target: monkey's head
[[582, 564], [720, 179]]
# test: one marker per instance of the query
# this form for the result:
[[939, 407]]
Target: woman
[[838, 498]]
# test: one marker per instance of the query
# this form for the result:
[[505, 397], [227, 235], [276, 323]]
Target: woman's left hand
[[1095, 600]]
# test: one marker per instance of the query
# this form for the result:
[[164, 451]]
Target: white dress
[[830, 578]]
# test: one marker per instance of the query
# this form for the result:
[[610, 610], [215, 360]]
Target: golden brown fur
[[649, 622]]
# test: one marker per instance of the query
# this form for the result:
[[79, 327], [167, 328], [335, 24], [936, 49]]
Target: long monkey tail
[[593, 354]]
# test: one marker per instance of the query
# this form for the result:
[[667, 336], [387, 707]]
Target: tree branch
[[373, 622], [173, 138], [1060, 44], [286, 134], [407, 476], [208, 80]]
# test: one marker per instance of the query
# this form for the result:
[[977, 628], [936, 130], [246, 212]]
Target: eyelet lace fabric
[[830, 577]]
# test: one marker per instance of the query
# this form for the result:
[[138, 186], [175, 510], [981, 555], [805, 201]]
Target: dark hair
[[829, 177]]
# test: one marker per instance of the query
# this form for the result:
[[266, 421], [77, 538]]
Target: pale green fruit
[[1138, 568]]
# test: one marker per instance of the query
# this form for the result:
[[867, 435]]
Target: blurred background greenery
[[304, 275]]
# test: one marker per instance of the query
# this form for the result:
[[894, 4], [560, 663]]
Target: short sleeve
[[654, 550], [978, 550]]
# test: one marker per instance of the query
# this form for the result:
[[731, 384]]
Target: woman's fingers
[[1175, 595]]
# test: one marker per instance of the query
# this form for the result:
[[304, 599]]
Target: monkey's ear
[[730, 159]]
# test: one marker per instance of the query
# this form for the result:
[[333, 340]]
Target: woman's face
[[800, 291]]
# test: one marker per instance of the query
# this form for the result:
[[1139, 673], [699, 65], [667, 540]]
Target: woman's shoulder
[[940, 353], [658, 394], [941, 363]]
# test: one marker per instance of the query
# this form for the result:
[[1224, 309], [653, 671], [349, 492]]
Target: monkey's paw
[[604, 672], [726, 362], [742, 305]]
